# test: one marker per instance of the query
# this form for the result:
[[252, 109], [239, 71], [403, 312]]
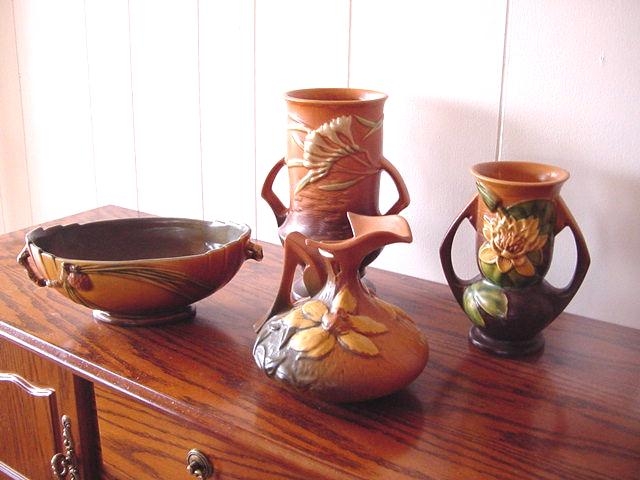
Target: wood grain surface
[[570, 412], [34, 395]]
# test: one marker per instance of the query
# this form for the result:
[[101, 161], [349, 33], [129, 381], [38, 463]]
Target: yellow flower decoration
[[509, 241], [320, 328]]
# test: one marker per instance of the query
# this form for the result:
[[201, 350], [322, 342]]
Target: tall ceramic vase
[[516, 214], [343, 344], [334, 160]]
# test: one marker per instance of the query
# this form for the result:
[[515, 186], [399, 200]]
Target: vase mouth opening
[[340, 96], [520, 173]]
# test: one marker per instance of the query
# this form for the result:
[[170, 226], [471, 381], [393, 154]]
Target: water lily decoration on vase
[[511, 242], [512, 254], [518, 240]]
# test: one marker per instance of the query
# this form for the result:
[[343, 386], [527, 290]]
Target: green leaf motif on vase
[[543, 210], [490, 199], [485, 297]]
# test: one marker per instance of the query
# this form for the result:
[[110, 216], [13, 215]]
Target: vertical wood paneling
[[52, 57], [15, 201], [226, 105], [572, 98], [164, 60], [108, 48], [176, 108], [299, 44], [441, 68]]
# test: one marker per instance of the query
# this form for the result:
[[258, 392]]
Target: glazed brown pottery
[[344, 344], [138, 271], [516, 214], [334, 160]]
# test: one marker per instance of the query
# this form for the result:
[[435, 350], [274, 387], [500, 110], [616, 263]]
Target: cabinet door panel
[[34, 394], [27, 426]]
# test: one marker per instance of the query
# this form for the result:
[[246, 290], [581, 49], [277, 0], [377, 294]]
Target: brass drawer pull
[[198, 465], [64, 465]]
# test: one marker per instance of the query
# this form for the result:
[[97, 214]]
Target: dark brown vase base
[[160, 318], [505, 348]]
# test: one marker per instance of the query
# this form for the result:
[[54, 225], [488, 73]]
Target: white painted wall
[[175, 107]]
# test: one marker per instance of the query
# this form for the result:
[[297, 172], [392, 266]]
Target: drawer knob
[[198, 465]]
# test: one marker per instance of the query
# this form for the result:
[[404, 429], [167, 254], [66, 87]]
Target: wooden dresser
[[136, 401]]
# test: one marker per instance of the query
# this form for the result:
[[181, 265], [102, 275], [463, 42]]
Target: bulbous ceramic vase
[[344, 344], [516, 214], [334, 161]]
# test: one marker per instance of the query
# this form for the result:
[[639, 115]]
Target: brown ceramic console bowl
[[138, 271]]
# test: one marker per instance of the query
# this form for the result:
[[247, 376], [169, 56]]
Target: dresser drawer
[[140, 443]]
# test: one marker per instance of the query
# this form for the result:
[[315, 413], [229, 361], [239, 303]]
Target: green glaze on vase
[[517, 213]]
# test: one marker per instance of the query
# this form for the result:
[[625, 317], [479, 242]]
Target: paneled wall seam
[[200, 111], [349, 44], [257, 197], [133, 114], [91, 119], [500, 129], [24, 137]]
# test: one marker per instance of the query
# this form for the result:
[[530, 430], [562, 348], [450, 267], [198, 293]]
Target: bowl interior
[[136, 239]]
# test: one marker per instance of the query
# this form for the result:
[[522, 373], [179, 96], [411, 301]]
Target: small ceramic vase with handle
[[516, 214], [344, 344]]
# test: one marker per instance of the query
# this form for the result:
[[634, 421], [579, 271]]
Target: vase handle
[[403, 193], [456, 284], [583, 259], [279, 210], [296, 252]]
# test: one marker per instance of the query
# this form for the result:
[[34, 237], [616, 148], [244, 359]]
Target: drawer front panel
[[140, 443]]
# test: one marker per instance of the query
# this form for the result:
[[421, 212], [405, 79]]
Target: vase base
[[505, 348]]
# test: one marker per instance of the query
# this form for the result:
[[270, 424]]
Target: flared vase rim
[[386, 229], [334, 96], [539, 174]]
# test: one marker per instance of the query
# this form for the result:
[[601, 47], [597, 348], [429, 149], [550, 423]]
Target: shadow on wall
[[605, 204], [433, 143]]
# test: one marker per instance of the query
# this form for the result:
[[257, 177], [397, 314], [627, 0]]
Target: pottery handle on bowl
[[253, 251], [583, 259], [23, 259], [456, 284], [403, 193], [296, 252], [279, 210]]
